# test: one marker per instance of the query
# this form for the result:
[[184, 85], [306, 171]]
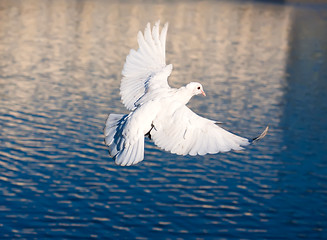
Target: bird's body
[[159, 111]]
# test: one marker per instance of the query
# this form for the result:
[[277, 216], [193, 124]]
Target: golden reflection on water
[[213, 42], [60, 64]]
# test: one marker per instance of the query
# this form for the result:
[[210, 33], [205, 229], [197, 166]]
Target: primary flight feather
[[159, 111]]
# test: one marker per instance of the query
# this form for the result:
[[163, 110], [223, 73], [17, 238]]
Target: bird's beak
[[203, 93]]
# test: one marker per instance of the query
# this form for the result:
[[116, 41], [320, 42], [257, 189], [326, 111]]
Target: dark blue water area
[[260, 63]]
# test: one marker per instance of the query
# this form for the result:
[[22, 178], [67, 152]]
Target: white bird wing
[[145, 68], [184, 132]]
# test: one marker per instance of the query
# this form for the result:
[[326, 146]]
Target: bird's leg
[[148, 133]]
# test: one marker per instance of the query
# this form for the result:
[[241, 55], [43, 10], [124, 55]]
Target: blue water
[[260, 64]]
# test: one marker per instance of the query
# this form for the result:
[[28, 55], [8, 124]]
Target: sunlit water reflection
[[260, 63]]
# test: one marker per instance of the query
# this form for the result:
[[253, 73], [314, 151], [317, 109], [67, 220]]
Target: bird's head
[[196, 88]]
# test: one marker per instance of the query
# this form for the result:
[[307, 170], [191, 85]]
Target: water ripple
[[60, 64]]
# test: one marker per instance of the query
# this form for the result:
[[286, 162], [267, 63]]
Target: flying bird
[[159, 111]]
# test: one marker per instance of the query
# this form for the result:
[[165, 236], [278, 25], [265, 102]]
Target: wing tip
[[261, 136]]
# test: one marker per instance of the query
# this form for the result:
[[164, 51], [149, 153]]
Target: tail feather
[[140, 154], [131, 154], [113, 132], [125, 154]]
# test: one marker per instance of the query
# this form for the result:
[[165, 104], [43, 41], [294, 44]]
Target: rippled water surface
[[260, 64]]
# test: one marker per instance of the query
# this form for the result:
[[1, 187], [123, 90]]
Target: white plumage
[[159, 111]]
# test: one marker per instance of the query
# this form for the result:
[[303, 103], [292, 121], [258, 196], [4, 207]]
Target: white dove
[[159, 111]]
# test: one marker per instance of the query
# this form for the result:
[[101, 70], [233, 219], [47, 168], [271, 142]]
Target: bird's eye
[[198, 88]]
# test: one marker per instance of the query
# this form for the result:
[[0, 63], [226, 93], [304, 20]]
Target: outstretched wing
[[185, 132], [145, 68]]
